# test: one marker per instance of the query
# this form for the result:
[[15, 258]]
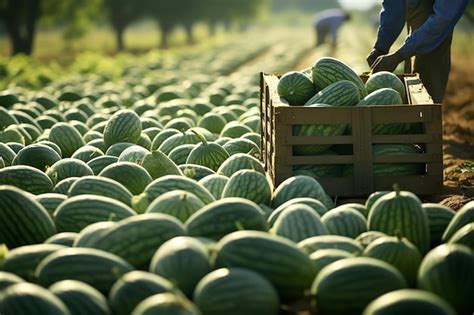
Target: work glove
[[387, 62], [374, 54]]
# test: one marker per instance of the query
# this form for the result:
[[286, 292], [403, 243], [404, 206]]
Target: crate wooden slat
[[278, 120]]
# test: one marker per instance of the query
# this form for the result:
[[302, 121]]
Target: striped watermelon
[[66, 137], [210, 155], [180, 154], [373, 198], [224, 216], [166, 304], [215, 184], [324, 257], [439, 217], [134, 287], [182, 260], [234, 130], [7, 279], [91, 233], [39, 156], [316, 205], [250, 185], [30, 299], [118, 148], [134, 177], [464, 216], [239, 162], [241, 145], [298, 222], [195, 171], [385, 79], [22, 261], [297, 186], [101, 186], [366, 238], [344, 221], [80, 298], [177, 203], [146, 232], [158, 164], [447, 272], [409, 301], [50, 201], [277, 259], [176, 140], [99, 163], [327, 71], [341, 93], [7, 154], [67, 168], [217, 293], [212, 122], [23, 220], [26, 178], [103, 269], [349, 285], [123, 126], [78, 212], [398, 252], [63, 186], [296, 88], [400, 214], [162, 136], [87, 153], [316, 243], [464, 236], [64, 238], [388, 169]]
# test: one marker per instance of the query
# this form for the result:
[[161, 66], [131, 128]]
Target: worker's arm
[[436, 29], [392, 22]]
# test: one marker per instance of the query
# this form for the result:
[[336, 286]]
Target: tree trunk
[[21, 17], [119, 34]]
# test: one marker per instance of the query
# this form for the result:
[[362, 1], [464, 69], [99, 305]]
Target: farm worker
[[431, 24], [328, 22]]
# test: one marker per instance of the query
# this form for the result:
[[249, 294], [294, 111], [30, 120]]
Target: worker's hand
[[374, 54], [387, 63]]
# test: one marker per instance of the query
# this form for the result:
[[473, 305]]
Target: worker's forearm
[[392, 22]]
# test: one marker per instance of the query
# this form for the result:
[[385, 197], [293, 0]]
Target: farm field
[[145, 168]]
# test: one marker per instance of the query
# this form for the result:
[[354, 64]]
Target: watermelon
[[241, 145], [103, 268], [144, 141], [134, 177], [87, 153], [234, 130], [182, 260], [22, 261], [63, 186], [26, 178], [180, 154], [7, 154], [373, 198], [341, 93], [464, 216], [362, 209], [162, 136], [366, 238], [400, 214], [176, 140], [385, 79], [250, 185], [158, 164], [91, 233], [66, 137], [327, 71], [23, 220], [390, 169], [217, 293], [196, 172], [464, 236], [146, 232], [50, 201], [447, 272], [80, 298], [67, 168], [325, 257], [118, 148], [39, 156], [215, 184], [224, 216], [30, 299], [177, 203], [64, 238], [166, 304], [439, 217], [6, 119], [134, 287], [296, 88], [347, 286], [297, 186], [344, 221], [78, 212], [239, 162], [7, 279], [277, 259], [409, 301], [207, 154], [316, 243], [316, 205], [99, 163], [212, 122], [123, 126], [298, 222], [398, 252], [101, 186]]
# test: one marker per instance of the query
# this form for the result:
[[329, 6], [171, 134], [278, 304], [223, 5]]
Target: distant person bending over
[[431, 24], [328, 22]]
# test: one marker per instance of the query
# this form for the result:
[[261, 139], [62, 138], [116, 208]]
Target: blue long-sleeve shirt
[[446, 14]]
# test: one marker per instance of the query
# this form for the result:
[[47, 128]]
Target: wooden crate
[[278, 119]]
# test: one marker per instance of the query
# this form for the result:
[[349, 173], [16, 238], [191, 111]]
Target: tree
[[121, 13]]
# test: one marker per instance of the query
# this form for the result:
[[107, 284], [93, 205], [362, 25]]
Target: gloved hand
[[374, 54], [387, 63]]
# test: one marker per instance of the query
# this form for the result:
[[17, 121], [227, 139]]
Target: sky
[[358, 4]]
